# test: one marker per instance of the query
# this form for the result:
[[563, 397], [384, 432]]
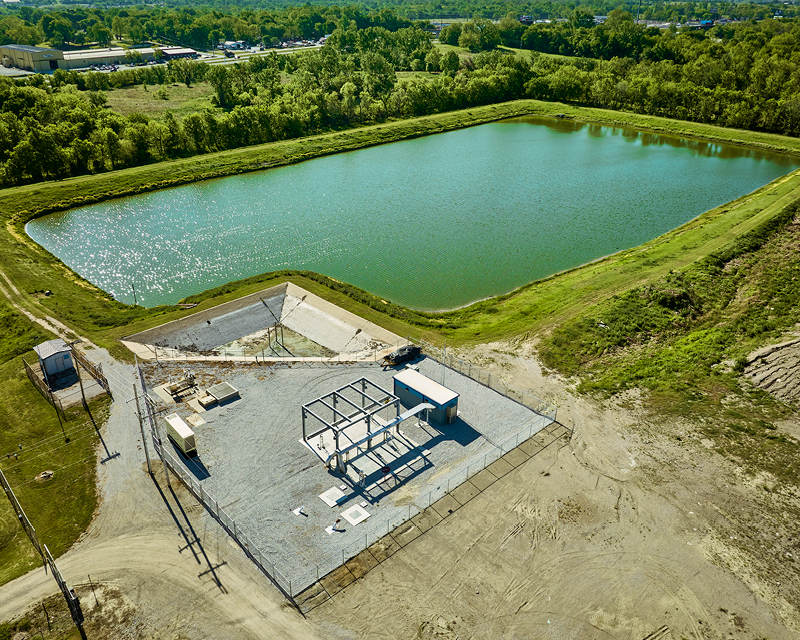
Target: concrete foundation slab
[[356, 514], [465, 492], [163, 394], [500, 468], [446, 505], [332, 496]]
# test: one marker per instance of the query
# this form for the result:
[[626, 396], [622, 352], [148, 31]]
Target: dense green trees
[[199, 27], [743, 75]]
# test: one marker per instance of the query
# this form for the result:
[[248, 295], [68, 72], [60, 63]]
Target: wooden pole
[[80, 381], [141, 428]]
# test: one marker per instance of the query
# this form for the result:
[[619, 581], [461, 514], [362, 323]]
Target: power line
[[48, 452], [66, 466], [46, 440]]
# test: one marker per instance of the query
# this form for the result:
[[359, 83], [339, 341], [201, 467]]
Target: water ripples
[[432, 223]]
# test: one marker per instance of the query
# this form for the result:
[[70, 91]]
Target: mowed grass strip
[[61, 508]]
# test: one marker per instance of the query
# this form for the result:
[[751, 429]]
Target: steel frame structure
[[366, 399]]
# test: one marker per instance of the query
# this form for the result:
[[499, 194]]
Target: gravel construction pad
[[251, 461]]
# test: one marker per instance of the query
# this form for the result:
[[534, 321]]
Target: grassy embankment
[[564, 300], [98, 317]]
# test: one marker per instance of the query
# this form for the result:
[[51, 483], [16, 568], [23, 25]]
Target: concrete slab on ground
[[252, 463]]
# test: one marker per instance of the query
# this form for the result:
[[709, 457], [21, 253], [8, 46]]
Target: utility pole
[[157, 442], [69, 594], [80, 381], [141, 428], [58, 415]]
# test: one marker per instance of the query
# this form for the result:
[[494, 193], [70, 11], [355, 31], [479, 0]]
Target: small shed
[[413, 388], [55, 357]]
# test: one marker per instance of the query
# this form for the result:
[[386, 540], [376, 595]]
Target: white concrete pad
[[161, 392], [356, 514], [195, 405], [332, 496], [195, 420]]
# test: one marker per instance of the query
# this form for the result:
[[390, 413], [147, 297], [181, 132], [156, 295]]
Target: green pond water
[[431, 223]]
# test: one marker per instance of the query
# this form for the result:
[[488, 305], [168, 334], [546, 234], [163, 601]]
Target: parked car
[[403, 354]]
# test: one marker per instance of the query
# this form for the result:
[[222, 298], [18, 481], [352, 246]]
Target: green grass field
[[656, 337], [61, 508], [182, 100]]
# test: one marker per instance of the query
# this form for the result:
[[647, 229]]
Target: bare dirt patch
[[636, 528], [627, 533], [776, 369]]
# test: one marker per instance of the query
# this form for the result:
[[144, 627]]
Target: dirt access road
[[627, 532]]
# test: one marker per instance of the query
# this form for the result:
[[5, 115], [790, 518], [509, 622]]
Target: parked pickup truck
[[403, 354]]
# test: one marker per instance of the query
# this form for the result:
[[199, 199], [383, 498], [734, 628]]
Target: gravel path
[[252, 463]]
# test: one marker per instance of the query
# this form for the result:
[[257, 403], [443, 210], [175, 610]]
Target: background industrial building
[[43, 60]]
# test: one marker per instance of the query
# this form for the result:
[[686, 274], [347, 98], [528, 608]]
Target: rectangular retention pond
[[430, 223]]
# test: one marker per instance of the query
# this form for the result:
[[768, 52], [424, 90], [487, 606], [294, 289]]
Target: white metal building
[[412, 388], [55, 357]]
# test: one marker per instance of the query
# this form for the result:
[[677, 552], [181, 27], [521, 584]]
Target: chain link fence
[[95, 370], [298, 582], [486, 379], [266, 356], [42, 387]]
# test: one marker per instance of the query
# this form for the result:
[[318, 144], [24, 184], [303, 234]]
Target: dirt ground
[[776, 369], [634, 530]]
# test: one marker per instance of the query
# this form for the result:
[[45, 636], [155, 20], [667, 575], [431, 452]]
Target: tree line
[[743, 76], [491, 9], [198, 27], [203, 26]]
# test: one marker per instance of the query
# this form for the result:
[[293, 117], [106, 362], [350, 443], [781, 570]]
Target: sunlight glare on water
[[430, 223]]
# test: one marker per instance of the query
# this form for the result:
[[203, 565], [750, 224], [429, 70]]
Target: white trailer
[[180, 433]]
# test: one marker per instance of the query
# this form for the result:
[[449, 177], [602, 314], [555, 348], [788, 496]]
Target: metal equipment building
[[116, 55], [413, 388], [55, 357], [29, 58]]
